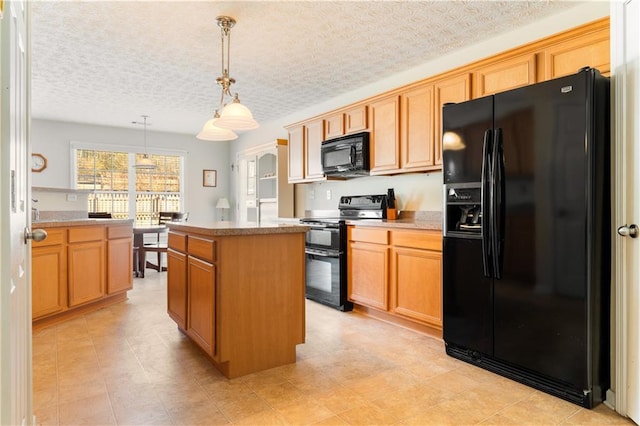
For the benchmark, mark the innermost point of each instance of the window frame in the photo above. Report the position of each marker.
(131, 151)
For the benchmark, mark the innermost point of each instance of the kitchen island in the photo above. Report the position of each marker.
(237, 290)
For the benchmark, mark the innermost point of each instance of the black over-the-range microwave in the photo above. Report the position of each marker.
(346, 156)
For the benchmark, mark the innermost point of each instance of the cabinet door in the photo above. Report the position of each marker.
(86, 272)
(119, 265)
(452, 89)
(177, 287)
(417, 285)
(355, 119)
(334, 125)
(48, 280)
(368, 274)
(201, 303)
(314, 135)
(296, 154)
(385, 135)
(510, 74)
(417, 144)
(568, 57)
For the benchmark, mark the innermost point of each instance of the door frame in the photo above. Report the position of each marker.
(625, 273)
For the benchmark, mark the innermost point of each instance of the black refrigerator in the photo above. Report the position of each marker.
(526, 246)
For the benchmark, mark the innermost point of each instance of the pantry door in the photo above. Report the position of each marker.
(625, 49)
(15, 278)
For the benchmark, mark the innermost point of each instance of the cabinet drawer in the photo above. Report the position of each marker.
(202, 248)
(123, 231)
(417, 239)
(54, 237)
(88, 233)
(368, 235)
(178, 241)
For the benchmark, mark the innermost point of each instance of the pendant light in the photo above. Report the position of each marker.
(234, 115)
(145, 162)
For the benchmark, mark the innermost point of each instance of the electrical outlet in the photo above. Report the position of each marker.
(312, 194)
(328, 194)
(72, 197)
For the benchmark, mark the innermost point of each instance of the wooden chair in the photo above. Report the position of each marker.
(159, 246)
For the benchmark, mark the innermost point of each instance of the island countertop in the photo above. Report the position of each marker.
(223, 228)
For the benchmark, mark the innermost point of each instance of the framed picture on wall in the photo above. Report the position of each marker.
(209, 178)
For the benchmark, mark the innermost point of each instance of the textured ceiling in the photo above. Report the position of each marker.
(108, 62)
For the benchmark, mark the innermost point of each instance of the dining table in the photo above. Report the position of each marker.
(139, 231)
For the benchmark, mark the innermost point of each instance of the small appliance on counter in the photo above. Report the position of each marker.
(326, 248)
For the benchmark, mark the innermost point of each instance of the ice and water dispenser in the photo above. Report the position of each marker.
(463, 210)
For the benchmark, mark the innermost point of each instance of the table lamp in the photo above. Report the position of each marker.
(222, 204)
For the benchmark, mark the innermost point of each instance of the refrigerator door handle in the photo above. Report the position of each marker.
(485, 206)
(497, 203)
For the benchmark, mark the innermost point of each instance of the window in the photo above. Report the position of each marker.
(124, 191)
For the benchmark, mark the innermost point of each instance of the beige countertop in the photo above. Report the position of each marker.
(59, 223)
(431, 221)
(235, 228)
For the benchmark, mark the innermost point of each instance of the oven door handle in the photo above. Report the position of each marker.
(322, 253)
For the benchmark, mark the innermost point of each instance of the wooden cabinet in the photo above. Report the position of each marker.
(345, 122)
(305, 161)
(314, 135)
(384, 145)
(49, 275)
(238, 296)
(201, 279)
(567, 57)
(504, 75)
(86, 269)
(80, 268)
(397, 272)
(416, 281)
(177, 287)
(296, 154)
(450, 89)
(417, 145)
(119, 259)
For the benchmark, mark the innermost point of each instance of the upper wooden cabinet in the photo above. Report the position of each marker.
(451, 89)
(568, 56)
(314, 135)
(416, 130)
(305, 162)
(296, 154)
(504, 75)
(384, 143)
(406, 123)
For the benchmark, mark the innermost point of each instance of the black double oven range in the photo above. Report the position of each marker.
(326, 248)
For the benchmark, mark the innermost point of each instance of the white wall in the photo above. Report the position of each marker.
(52, 139)
(419, 191)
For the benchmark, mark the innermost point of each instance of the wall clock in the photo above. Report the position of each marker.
(38, 162)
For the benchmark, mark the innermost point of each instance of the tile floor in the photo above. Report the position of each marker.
(129, 365)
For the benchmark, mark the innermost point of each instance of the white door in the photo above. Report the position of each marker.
(625, 49)
(15, 280)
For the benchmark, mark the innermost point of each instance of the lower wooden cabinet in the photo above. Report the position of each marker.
(201, 278)
(80, 266)
(398, 272)
(49, 275)
(177, 287)
(86, 272)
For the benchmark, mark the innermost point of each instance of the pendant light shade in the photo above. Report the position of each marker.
(145, 162)
(234, 115)
(237, 117)
(212, 132)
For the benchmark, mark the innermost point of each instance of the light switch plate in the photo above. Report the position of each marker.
(328, 194)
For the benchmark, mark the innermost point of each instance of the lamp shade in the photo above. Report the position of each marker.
(145, 163)
(223, 203)
(211, 132)
(236, 116)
